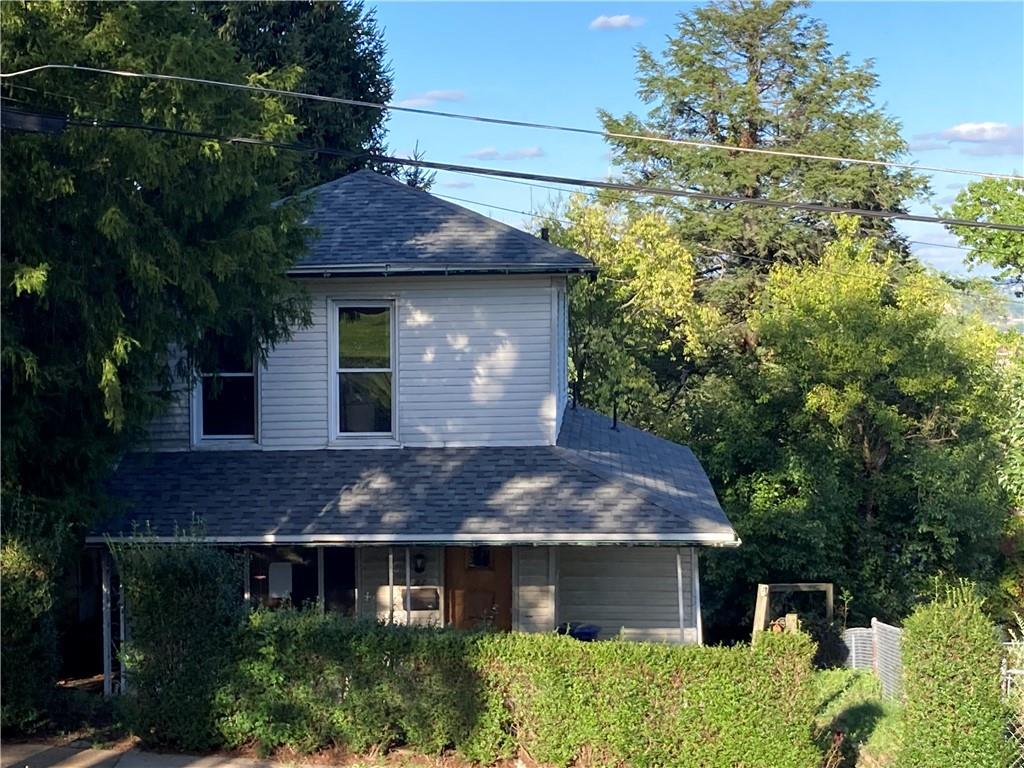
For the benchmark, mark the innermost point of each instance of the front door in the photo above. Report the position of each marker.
(478, 587)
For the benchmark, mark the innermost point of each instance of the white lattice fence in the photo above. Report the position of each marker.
(1012, 680)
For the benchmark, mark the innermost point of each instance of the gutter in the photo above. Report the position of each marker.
(728, 540)
(385, 270)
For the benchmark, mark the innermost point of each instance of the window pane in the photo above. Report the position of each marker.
(364, 337)
(364, 402)
(229, 406)
(228, 355)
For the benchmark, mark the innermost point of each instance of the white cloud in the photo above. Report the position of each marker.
(621, 21)
(456, 184)
(523, 154)
(492, 153)
(988, 138)
(430, 98)
(486, 153)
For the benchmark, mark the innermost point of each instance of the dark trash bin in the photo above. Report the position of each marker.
(584, 632)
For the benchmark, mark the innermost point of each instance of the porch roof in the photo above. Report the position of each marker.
(598, 485)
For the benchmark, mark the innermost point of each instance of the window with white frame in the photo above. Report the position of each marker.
(364, 370)
(227, 394)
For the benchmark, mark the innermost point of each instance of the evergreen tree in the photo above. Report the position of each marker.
(761, 75)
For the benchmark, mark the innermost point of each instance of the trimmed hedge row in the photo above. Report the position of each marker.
(953, 714)
(301, 680)
(307, 682)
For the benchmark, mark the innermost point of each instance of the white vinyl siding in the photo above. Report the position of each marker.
(632, 591)
(533, 594)
(170, 430)
(475, 365)
(560, 350)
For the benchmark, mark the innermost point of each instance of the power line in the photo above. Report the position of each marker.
(706, 248)
(623, 199)
(613, 185)
(514, 123)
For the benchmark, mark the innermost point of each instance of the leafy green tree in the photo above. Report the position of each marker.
(640, 310)
(326, 48)
(120, 245)
(863, 437)
(760, 75)
(993, 200)
(852, 420)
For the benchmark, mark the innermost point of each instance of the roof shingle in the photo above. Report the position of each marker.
(596, 486)
(370, 224)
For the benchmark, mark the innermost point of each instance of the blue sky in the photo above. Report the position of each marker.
(951, 73)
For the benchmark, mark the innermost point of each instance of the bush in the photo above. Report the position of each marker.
(953, 714)
(307, 682)
(202, 676)
(185, 609)
(29, 662)
(650, 705)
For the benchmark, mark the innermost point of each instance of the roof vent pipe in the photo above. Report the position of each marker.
(544, 234)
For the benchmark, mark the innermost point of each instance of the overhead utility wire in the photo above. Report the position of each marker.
(619, 186)
(709, 249)
(512, 123)
(620, 198)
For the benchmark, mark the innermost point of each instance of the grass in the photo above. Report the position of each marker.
(850, 702)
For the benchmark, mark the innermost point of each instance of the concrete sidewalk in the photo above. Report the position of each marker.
(43, 755)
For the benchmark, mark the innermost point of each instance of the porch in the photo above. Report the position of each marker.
(638, 593)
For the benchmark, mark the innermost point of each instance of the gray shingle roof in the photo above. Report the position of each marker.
(371, 224)
(597, 485)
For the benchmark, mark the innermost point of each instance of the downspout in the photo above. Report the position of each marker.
(391, 585)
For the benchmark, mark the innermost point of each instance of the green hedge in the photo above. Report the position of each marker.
(953, 714)
(307, 681)
(29, 661)
(186, 613)
(293, 678)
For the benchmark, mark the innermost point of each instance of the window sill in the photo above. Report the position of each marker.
(349, 442)
(226, 444)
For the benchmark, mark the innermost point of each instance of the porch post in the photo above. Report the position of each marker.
(123, 630)
(696, 594)
(679, 594)
(408, 587)
(321, 597)
(108, 684)
(246, 590)
(391, 585)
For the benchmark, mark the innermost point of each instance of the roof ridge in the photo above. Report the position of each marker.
(377, 177)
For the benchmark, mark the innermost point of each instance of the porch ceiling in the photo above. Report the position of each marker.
(596, 486)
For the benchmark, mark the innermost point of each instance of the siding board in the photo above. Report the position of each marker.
(631, 591)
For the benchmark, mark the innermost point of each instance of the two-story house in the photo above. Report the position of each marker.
(413, 455)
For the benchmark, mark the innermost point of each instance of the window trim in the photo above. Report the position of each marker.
(336, 437)
(226, 441)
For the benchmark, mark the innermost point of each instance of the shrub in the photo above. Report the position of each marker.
(651, 705)
(306, 682)
(184, 606)
(953, 714)
(29, 662)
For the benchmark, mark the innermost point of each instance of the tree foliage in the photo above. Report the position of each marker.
(760, 75)
(993, 200)
(119, 245)
(327, 48)
(852, 420)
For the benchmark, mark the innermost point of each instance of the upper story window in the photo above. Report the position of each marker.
(364, 370)
(226, 397)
